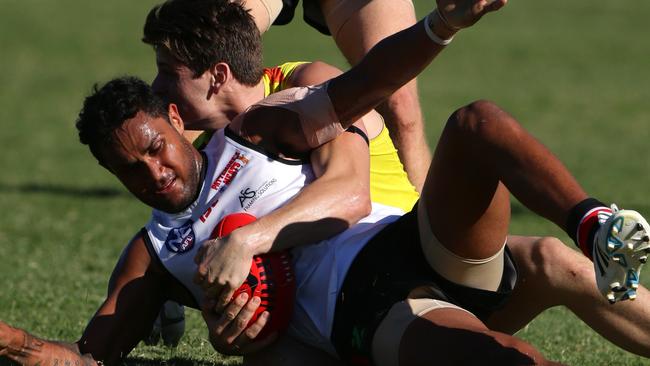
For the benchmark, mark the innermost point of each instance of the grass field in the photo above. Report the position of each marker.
(574, 72)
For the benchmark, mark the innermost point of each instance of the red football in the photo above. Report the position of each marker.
(271, 278)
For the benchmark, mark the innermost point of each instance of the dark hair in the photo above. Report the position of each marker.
(109, 106)
(201, 33)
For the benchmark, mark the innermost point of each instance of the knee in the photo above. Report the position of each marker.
(402, 111)
(556, 263)
(480, 121)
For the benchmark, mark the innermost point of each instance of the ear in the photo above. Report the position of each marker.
(175, 118)
(220, 75)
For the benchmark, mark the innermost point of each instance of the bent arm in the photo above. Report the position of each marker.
(337, 199)
(332, 203)
(135, 296)
(133, 301)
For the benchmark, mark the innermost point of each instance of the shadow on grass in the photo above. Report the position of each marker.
(61, 190)
(137, 361)
(174, 361)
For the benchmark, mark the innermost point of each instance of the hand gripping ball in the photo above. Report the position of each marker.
(271, 278)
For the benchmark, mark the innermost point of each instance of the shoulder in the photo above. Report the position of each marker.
(312, 73)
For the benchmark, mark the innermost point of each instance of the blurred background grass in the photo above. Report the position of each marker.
(575, 73)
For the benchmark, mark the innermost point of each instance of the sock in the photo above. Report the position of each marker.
(583, 222)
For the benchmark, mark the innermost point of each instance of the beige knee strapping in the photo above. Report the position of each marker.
(341, 10)
(385, 342)
(270, 8)
(483, 273)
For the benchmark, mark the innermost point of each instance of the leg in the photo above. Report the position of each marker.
(287, 351)
(264, 12)
(357, 25)
(552, 274)
(482, 151)
(417, 331)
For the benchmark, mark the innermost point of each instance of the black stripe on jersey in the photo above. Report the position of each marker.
(154, 256)
(240, 140)
(358, 131)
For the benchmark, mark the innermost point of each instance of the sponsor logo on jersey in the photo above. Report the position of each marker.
(237, 161)
(207, 212)
(248, 196)
(181, 239)
(245, 194)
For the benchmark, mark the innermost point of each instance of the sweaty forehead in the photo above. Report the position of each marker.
(134, 137)
(140, 129)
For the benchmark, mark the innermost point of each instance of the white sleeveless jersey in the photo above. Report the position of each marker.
(241, 177)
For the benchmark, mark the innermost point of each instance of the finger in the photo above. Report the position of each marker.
(201, 274)
(238, 326)
(495, 5)
(254, 330)
(208, 279)
(198, 257)
(224, 298)
(230, 313)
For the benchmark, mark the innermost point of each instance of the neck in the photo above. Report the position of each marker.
(239, 97)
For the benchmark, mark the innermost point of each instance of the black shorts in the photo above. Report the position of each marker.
(386, 270)
(312, 14)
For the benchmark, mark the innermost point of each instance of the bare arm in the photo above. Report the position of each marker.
(333, 202)
(26, 349)
(400, 58)
(309, 117)
(133, 301)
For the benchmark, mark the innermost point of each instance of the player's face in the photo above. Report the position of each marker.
(176, 83)
(152, 159)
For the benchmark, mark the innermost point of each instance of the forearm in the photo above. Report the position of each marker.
(321, 210)
(337, 199)
(26, 349)
(389, 65)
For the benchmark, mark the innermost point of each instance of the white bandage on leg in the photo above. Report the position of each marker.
(338, 12)
(318, 118)
(485, 273)
(273, 8)
(385, 342)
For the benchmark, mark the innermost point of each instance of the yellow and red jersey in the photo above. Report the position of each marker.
(389, 184)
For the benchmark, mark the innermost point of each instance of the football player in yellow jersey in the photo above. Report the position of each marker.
(212, 84)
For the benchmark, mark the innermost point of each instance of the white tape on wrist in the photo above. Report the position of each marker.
(434, 37)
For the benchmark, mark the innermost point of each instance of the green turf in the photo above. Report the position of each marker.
(574, 72)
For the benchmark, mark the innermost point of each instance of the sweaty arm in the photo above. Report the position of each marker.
(134, 299)
(337, 199)
(336, 104)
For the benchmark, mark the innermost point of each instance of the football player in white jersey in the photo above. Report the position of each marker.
(462, 217)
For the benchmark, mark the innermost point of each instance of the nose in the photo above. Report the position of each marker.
(156, 172)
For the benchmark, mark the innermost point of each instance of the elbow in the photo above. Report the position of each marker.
(358, 205)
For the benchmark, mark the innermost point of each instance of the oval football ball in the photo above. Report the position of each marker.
(271, 278)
